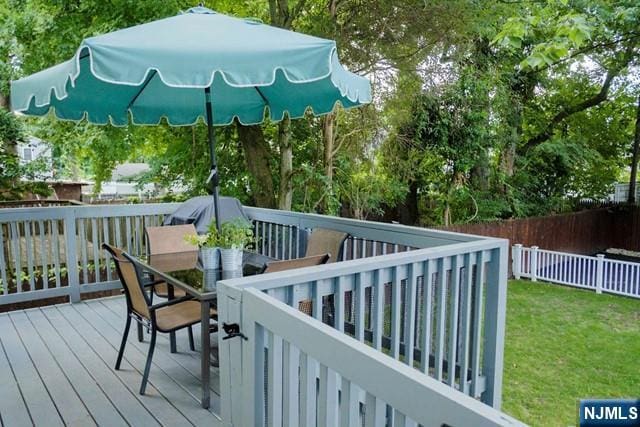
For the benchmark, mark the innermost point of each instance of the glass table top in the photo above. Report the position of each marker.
(184, 270)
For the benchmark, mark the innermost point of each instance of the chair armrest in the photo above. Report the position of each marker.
(152, 283)
(170, 302)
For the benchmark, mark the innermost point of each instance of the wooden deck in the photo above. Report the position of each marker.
(57, 369)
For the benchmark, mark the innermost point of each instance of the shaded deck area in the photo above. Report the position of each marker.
(58, 369)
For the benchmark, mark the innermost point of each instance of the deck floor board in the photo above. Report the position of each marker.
(34, 392)
(59, 370)
(13, 410)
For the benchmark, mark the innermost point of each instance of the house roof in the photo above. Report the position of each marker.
(128, 170)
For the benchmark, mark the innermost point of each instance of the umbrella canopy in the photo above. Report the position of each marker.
(159, 69)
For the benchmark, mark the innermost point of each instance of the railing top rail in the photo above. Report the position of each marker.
(580, 256)
(85, 211)
(329, 271)
(404, 234)
(422, 399)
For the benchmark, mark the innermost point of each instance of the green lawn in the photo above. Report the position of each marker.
(563, 344)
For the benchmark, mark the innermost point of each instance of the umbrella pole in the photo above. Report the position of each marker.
(213, 174)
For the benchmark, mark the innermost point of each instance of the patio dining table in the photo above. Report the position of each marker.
(184, 270)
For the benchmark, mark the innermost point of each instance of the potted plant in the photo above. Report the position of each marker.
(235, 235)
(209, 244)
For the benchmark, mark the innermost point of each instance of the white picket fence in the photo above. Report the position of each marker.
(595, 273)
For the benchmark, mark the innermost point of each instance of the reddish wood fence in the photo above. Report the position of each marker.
(585, 232)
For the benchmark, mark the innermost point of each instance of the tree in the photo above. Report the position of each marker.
(634, 158)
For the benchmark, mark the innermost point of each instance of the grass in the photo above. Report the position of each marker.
(563, 344)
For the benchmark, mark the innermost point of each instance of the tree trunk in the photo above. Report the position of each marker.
(408, 210)
(285, 195)
(256, 155)
(634, 158)
(12, 146)
(480, 172)
(328, 139)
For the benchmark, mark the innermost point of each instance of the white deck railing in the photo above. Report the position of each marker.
(301, 372)
(434, 301)
(595, 273)
(55, 251)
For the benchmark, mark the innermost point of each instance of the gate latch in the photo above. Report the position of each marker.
(232, 330)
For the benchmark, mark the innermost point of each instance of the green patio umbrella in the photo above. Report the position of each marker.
(198, 64)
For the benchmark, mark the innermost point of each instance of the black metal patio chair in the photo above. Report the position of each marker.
(168, 316)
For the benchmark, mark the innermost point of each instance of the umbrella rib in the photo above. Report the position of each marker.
(144, 85)
(261, 95)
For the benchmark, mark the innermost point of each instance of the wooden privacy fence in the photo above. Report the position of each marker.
(585, 232)
(595, 273)
(55, 251)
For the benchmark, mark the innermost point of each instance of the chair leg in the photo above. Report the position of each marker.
(140, 334)
(125, 334)
(147, 366)
(191, 344)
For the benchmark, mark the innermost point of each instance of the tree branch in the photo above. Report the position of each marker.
(626, 37)
(596, 99)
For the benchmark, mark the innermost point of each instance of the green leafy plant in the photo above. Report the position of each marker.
(210, 239)
(236, 234)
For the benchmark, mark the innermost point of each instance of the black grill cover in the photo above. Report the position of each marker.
(200, 212)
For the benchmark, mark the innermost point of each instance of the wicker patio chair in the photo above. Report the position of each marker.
(164, 317)
(167, 240)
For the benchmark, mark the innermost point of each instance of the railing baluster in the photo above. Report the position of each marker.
(290, 390)
(55, 242)
(375, 412)
(15, 240)
(349, 404)
(378, 306)
(29, 253)
(466, 321)
(128, 244)
(44, 256)
(396, 301)
(354, 247)
(340, 285)
(3, 263)
(477, 322)
(83, 250)
(307, 390)
(96, 248)
(274, 395)
(453, 319)
(425, 345)
(106, 239)
(411, 291)
(441, 319)
(118, 235)
(360, 303)
(328, 398)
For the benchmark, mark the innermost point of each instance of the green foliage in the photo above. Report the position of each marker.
(460, 87)
(368, 189)
(210, 239)
(17, 179)
(236, 233)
